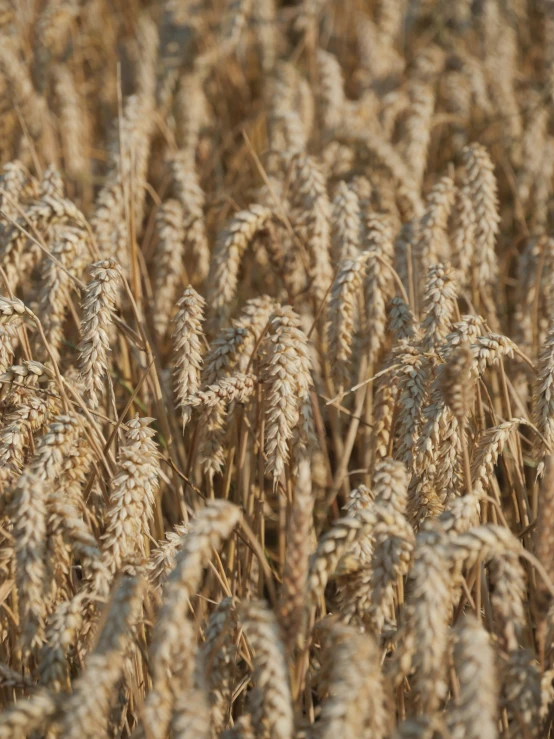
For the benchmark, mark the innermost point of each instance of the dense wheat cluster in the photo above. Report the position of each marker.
(277, 369)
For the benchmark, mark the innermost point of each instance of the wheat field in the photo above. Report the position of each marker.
(277, 369)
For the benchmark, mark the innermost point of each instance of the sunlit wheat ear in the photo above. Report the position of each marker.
(413, 382)
(466, 331)
(86, 713)
(187, 348)
(481, 185)
(402, 321)
(98, 310)
(286, 374)
(418, 127)
(438, 305)
(543, 408)
(66, 506)
(489, 446)
(187, 191)
(524, 691)
(353, 570)
(425, 636)
(168, 265)
(132, 495)
(173, 639)
(29, 510)
(270, 701)
(33, 107)
(378, 281)
(346, 223)
(332, 546)
(331, 91)
(356, 692)
(74, 123)
(191, 715)
(216, 661)
(473, 712)
(19, 255)
(457, 382)
(433, 243)
(226, 259)
(62, 628)
(343, 308)
(311, 215)
(463, 236)
(29, 520)
(162, 559)
(70, 249)
(13, 181)
(24, 717)
(299, 547)
(393, 536)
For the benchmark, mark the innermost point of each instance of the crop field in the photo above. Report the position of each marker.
(276, 369)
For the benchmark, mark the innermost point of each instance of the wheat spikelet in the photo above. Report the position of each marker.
(520, 681)
(385, 404)
(162, 559)
(401, 320)
(456, 381)
(388, 157)
(332, 546)
(187, 348)
(215, 662)
(346, 223)
(354, 566)
(132, 495)
(418, 128)
(226, 259)
(542, 412)
(465, 331)
(312, 216)
(234, 388)
(86, 712)
(29, 519)
(413, 379)
(26, 716)
(171, 234)
(440, 294)
(69, 247)
(331, 90)
(190, 195)
(33, 107)
(481, 184)
(295, 575)
(191, 716)
(18, 255)
(342, 314)
(172, 641)
(433, 244)
(14, 180)
(270, 701)
(473, 714)
(378, 281)
(489, 447)
(393, 538)
(74, 122)
(62, 628)
(287, 375)
(426, 640)
(356, 705)
(98, 310)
